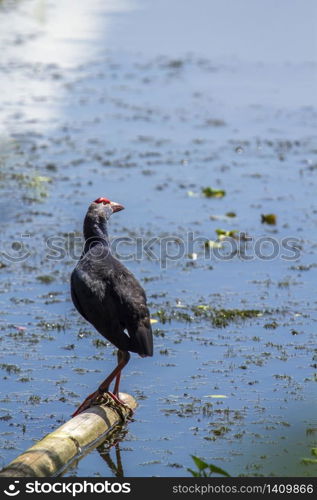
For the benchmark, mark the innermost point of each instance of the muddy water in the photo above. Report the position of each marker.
(149, 104)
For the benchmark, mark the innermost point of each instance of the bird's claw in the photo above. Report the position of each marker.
(97, 397)
(120, 403)
(118, 400)
(92, 398)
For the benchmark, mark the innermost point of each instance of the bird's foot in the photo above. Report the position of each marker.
(99, 397)
(117, 399)
(120, 402)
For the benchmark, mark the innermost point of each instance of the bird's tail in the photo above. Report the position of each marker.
(143, 341)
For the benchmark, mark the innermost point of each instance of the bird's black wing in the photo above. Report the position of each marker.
(74, 296)
(130, 298)
(91, 297)
(107, 295)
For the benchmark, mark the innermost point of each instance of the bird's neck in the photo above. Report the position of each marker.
(95, 232)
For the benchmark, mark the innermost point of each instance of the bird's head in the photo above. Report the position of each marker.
(104, 207)
(97, 216)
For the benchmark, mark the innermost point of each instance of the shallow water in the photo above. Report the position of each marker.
(147, 109)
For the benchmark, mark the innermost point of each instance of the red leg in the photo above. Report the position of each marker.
(116, 385)
(123, 359)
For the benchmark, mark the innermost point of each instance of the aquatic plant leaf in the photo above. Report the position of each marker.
(213, 193)
(309, 461)
(213, 244)
(203, 467)
(194, 473)
(39, 179)
(222, 233)
(203, 307)
(45, 278)
(268, 219)
(200, 464)
(218, 470)
(216, 396)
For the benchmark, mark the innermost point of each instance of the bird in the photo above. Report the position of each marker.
(109, 297)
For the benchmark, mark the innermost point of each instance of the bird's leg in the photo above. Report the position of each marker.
(122, 356)
(123, 359)
(116, 385)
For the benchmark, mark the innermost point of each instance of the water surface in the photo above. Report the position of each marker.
(148, 104)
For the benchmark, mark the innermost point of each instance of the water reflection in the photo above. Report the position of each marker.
(105, 449)
(109, 448)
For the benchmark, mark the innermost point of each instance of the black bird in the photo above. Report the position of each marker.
(107, 295)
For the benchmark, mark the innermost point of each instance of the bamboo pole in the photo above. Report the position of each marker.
(52, 454)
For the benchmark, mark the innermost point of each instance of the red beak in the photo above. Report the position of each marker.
(116, 207)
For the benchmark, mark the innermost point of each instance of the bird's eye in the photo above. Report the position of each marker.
(105, 201)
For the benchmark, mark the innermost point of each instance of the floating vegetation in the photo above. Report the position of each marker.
(213, 244)
(37, 184)
(34, 399)
(216, 396)
(51, 326)
(162, 316)
(220, 318)
(269, 219)
(295, 332)
(10, 368)
(5, 418)
(158, 333)
(45, 278)
(24, 300)
(84, 333)
(100, 343)
(69, 347)
(222, 233)
(310, 461)
(302, 267)
(271, 326)
(164, 352)
(209, 192)
(32, 338)
(175, 63)
(215, 122)
(220, 431)
(188, 409)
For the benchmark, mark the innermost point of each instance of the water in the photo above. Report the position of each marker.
(147, 104)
